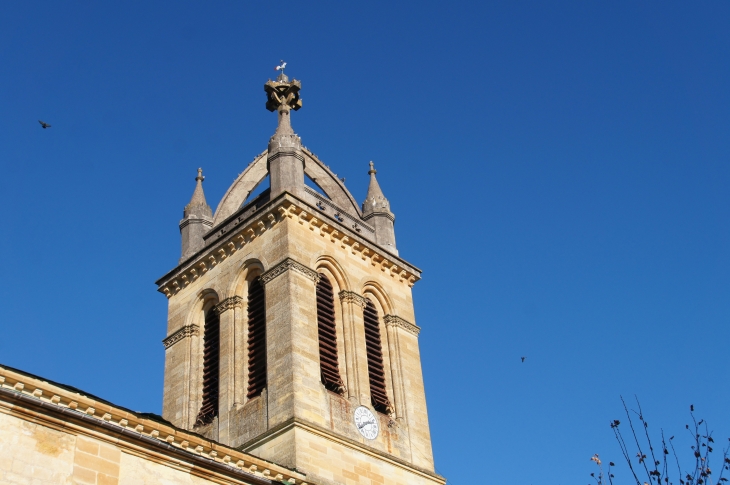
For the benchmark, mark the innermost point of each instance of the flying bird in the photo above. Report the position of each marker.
(523, 359)
(281, 66)
(44, 124)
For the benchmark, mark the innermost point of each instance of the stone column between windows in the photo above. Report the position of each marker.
(192, 386)
(292, 343)
(194, 380)
(352, 305)
(240, 380)
(226, 371)
(358, 353)
(396, 371)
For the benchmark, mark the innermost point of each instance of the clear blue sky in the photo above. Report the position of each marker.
(559, 170)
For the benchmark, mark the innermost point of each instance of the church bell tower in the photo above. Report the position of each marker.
(291, 328)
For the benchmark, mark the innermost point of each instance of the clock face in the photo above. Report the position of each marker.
(366, 422)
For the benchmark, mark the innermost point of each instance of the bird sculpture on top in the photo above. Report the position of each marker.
(281, 67)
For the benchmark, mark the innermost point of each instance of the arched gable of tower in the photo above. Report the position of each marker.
(257, 171)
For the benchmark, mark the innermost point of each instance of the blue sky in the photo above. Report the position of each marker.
(559, 170)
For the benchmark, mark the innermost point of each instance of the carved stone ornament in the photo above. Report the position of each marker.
(283, 92)
(352, 297)
(286, 265)
(399, 322)
(186, 331)
(228, 304)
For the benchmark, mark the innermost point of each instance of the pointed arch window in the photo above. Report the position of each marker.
(328, 363)
(376, 370)
(211, 352)
(256, 338)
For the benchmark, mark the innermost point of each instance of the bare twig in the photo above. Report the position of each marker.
(659, 472)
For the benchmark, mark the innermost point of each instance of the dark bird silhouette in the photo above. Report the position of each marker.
(523, 359)
(44, 124)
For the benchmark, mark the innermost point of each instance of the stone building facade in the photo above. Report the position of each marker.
(292, 350)
(52, 434)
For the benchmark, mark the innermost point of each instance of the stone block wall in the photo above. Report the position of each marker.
(52, 435)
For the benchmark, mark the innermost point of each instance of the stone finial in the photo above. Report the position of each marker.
(282, 92)
(285, 160)
(198, 205)
(197, 219)
(375, 201)
(376, 210)
(282, 96)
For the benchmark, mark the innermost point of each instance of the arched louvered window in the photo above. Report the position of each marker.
(328, 363)
(376, 371)
(211, 351)
(256, 338)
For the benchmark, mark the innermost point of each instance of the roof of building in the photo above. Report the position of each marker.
(84, 413)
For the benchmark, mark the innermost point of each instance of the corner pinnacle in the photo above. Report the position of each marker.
(198, 204)
(375, 201)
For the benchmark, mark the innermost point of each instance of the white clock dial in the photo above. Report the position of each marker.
(366, 422)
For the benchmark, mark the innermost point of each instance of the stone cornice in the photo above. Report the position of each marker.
(399, 322)
(286, 265)
(32, 398)
(184, 332)
(356, 223)
(228, 304)
(240, 229)
(352, 242)
(347, 296)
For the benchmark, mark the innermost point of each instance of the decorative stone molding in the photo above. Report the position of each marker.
(327, 206)
(347, 296)
(228, 304)
(283, 153)
(186, 331)
(286, 265)
(399, 322)
(153, 440)
(226, 239)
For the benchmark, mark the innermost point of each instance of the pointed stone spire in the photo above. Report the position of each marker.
(375, 201)
(197, 204)
(285, 160)
(376, 210)
(197, 220)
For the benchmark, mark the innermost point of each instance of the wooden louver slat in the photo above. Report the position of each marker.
(376, 372)
(256, 338)
(211, 351)
(328, 363)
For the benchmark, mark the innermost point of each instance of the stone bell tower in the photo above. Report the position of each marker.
(291, 328)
